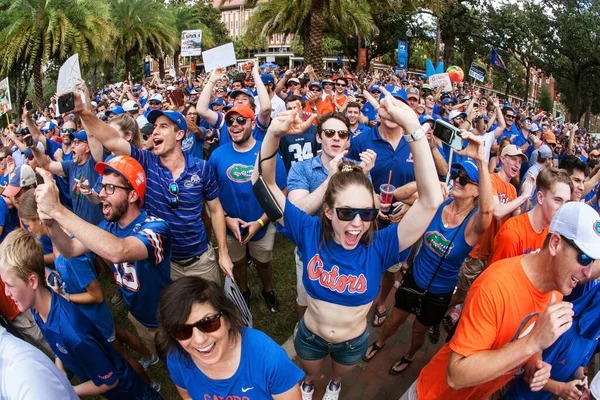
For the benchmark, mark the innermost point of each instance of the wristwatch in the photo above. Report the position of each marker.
(416, 135)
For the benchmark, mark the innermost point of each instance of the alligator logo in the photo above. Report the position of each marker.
(437, 243)
(597, 227)
(240, 173)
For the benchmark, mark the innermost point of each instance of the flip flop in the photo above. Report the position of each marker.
(374, 349)
(382, 317)
(396, 371)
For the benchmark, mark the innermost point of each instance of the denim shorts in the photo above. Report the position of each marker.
(311, 347)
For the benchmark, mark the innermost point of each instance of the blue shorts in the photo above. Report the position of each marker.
(311, 347)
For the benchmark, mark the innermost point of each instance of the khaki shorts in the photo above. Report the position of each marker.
(146, 334)
(205, 266)
(261, 250)
(302, 297)
(469, 270)
(411, 393)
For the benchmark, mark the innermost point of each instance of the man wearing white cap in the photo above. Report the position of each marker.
(133, 109)
(513, 312)
(154, 103)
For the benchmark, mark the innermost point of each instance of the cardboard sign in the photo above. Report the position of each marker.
(191, 43)
(69, 75)
(222, 56)
(477, 72)
(5, 103)
(233, 292)
(442, 80)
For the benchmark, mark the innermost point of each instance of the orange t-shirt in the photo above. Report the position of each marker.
(506, 193)
(8, 308)
(517, 237)
(323, 107)
(341, 100)
(498, 310)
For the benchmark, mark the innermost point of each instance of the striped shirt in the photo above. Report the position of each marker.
(197, 181)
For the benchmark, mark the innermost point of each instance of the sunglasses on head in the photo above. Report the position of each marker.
(330, 133)
(240, 120)
(462, 178)
(582, 258)
(348, 214)
(174, 190)
(205, 325)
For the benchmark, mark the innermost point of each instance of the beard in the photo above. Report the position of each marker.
(116, 211)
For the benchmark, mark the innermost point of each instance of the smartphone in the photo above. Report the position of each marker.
(448, 134)
(66, 103)
(28, 141)
(243, 232)
(55, 279)
(29, 105)
(397, 208)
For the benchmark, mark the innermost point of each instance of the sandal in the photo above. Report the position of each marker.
(397, 371)
(382, 316)
(373, 349)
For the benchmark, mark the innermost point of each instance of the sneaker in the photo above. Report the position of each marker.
(271, 301)
(148, 363)
(117, 298)
(447, 323)
(307, 391)
(434, 334)
(332, 394)
(156, 386)
(247, 295)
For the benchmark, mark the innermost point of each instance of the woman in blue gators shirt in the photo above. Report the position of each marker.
(210, 355)
(344, 256)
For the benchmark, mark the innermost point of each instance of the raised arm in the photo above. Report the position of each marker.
(36, 134)
(264, 116)
(202, 107)
(45, 162)
(512, 207)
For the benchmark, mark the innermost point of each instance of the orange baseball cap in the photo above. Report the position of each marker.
(550, 137)
(244, 111)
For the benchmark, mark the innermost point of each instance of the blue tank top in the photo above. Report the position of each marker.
(435, 241)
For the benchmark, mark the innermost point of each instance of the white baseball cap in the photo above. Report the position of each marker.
(456, 113)
(130, 105)
(158, 97)
(581, 224)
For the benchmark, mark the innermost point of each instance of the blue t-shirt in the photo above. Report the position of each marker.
(9, 219)
(191, 144)
(265, 370)
(296, 148)
(436, 240)
(81, 347)
(234, 173)
(142, 281)
(197, 182)
(92, 213)
(369, 111)
(64, 194)
(360, 129)
(334, 274)
(78, 273)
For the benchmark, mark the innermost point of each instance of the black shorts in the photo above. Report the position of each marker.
(433, 307)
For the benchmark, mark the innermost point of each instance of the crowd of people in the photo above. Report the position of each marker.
(172, 184)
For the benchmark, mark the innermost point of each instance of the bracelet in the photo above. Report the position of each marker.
(260, 221)
(68, 297)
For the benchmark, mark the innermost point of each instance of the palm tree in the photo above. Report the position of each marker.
(35, 32)
(188, 18)
(143, 27)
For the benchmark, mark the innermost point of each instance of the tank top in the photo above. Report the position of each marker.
(435, 241)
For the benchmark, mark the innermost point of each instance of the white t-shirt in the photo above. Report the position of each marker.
(277, 105)
(488, 141)
(28, 374)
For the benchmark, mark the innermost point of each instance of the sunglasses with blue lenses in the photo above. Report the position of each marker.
(348, 214)
(174, 190)
(582, 258)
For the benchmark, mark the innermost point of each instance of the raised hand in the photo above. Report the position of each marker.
(474, 148)
(553, 322)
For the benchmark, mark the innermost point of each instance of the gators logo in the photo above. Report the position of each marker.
(437, 243)
(597, 227)
(240, 173)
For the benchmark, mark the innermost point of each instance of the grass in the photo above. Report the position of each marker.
(278, 326)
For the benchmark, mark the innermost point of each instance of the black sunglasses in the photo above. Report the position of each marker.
(145, 136)
(330, 133)
(315, 89)
(376, 92)
(174, 190)
(240, 120)
(340, 84)
(509, 116)
(348, 214)
(463, 179)
(582, 258)
(68, 130)
(205, 325)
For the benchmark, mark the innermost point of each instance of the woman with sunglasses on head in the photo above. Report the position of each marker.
(210, 354)
(427, 288)
(344, 256)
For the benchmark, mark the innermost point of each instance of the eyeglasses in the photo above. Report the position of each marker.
(582, 258)
(68, 130)
(360, 101)
(205, 325)
(348, 214)
(330, 133)
(240, 120)
(154, 103)
(77, 142)
(509, 116)
(315, 89)
(109, 188)
(463, 179)
(145, 136)
(292, 84)
(376, 92)
(174, 190)
(340, 84)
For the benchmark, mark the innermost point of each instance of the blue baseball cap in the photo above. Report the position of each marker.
(448, 101)
(81, 135)
(192, 91)
(375, 87)
(48, 126)
(174, 116)
(317, 84)
(137, 87)
(115, 110)
(267, 79)
(397, 92)
(218, 102)
(424, 118)
(470, 168)
(245, 91)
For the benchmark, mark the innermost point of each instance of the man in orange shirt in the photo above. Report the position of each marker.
(525, 233)
(512, 313)
(315, 104)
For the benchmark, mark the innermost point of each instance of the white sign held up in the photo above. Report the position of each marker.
(5, 103)
(222, 56)
(442, 80)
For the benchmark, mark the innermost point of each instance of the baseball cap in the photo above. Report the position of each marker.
(170, 87)
(115, 110)
(81, 135)
(41, 119)
(130, 105)
(512, 150)
(549, 137)
(397, 92)
(218, 102)
(296, 80)
(48, 126)
(328, 81)
(448, 101)
(174, 116)
(192, 91)
(426, 86)
(424, 118)
(534, 127)
(470, 168)
(267, 79)
(156, 97)
(235, 93)
(456, 113)
(244, 111)
(28, 153)
(137, 87)
(581, 224)
(24, 176)
(375, 87)
(317, 84)
(545, 152)
(412, 92)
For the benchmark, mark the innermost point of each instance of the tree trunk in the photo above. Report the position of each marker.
(161, 68)
(438, 40)
(449, 40)
(576, 111)
(176, 63)
(38, 82)
(527, 77)
(314, 48)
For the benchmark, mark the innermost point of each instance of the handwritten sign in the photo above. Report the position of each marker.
(191, 43)
(222, 56)
(69, 75)
(440, 80)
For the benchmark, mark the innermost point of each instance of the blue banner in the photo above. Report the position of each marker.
(402, 54)
(147, 69)
(339, 61)
(497, 62)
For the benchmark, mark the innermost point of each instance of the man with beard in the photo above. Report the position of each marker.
(137, 246)
(247, 224)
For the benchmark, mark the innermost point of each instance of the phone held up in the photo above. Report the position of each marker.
(448, 134)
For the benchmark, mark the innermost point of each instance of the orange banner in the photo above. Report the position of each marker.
(362, 59)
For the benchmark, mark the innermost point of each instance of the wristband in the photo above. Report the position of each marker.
(416, 135)
(260, 221)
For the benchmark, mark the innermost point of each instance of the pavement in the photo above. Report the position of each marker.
(371, 380)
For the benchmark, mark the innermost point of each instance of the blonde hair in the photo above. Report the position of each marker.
(22, 253)
(28, 206)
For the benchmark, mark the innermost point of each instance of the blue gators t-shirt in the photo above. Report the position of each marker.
(234, 173)
(81, 347)
(296, 148)
(334, 274)
(197, 182)
(142, 281)
(265, 370)
(78, 273)
(191, 144)
(92, 213)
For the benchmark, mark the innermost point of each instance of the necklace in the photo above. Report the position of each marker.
(446, 224)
